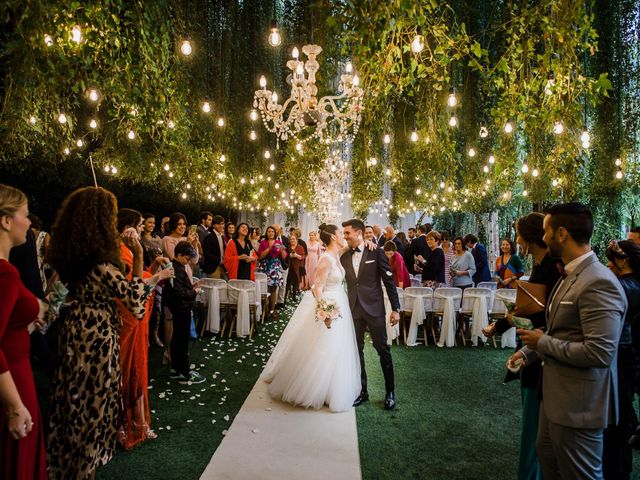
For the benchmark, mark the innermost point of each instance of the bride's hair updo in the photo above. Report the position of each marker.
(326, 231)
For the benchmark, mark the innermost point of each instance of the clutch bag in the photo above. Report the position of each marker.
(530, 298)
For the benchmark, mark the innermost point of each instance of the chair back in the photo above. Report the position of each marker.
(469, 297)
(501, 296)
(261, 280)
(412, 293)
(234, 287)
(218, 284)
(441, 294)
(416, 282)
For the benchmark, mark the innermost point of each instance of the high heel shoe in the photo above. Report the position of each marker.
(145, 430)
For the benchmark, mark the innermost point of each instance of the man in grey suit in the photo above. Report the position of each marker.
(579, 378)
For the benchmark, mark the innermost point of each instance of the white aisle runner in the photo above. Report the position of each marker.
(273, 440)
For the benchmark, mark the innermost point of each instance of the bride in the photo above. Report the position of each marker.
(316, 363)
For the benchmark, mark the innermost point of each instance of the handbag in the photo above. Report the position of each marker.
(530, 298)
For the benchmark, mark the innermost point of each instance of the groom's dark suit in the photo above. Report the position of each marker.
(367, 304)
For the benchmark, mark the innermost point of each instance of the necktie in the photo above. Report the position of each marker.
(562, 271)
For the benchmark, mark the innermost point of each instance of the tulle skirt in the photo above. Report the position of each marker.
(313, 365)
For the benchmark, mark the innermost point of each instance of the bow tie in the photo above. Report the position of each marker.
(562, 271)
(356, 249)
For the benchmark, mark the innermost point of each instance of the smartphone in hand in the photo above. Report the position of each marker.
(193, 229)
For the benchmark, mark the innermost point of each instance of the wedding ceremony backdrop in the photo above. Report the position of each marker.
(466, 112)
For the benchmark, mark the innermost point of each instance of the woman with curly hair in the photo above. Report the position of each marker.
(85, 251)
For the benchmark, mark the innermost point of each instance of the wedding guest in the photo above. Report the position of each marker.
(22, 452)
(529, 231)
(134, 422)
(164, 227)
(480, 258)
(229, 231)
(152, 246)
(177, 230)
(408, 255)
(285, 265)
(204, 227)
(579, 377)
(396, 265)
(624, 262)
(180, 297)
(463, 266)
(303, 267)
(42, 245)
(271, 254)
(369, 236)
(447, 249)
(390, 235)
(84, 404)
(411, 234)
(420, 247)
(254, 238)
(296, 262)
(239, 256)
(213, 250)
(509, 266)
(433, 264)
(378, 235)
(311, 263)
(634, 235)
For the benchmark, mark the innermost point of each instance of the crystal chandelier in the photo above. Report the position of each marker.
(328, 187)
(302, 114)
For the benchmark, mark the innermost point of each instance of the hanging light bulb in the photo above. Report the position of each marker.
(452, 100)
(418, 41)
(356, 80)
(387, 138)
(441, 184)
(114, 170)
(508, 127)
(554, 182)
(131, 135)
(299, 147)
(349, 68)
(170, 174)
(167, 167)
(252, 135)
(76, 34)
(525, 193)
(32, 120)
(472, 152)
(485, 169)
(619, 174)
(220, 122)
(618, 162)
(67, 151)
(107, 168)
(267, 154)
(525, 168)
(535, 172)
(295, 53)
(93, 95)
(492, 159)
(79, 143)
(184, 195)
(414, 136)
(263, 82)
(93, 124)
(62, 118)
(48, 41)
(253, 115)
(171, 124)
(585, 137)
(558, 128)
(206, 107)
(223, 158)
(186, 48)
(453, 121)
(548, 87)
(275, 38)
(484, 133)
(272, 167)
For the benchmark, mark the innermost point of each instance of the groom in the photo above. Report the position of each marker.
(364, 270)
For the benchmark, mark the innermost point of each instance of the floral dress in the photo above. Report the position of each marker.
(84, 403)
(271, 264)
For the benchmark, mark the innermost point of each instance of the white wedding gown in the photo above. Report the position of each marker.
(313, 365)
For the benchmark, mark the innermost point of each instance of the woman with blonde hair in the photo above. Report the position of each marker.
(85, 251)
(22, 454)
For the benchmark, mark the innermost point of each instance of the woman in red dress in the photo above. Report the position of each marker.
(22, 454)
(397, 266)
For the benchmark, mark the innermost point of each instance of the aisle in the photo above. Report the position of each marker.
(270, 439)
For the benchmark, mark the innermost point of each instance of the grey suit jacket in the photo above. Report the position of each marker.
(579, 350)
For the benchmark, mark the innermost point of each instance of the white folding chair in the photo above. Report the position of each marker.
(216, 299)
(476, 304)
(446, 304)
(243, 295)
(501, 297)
(261, 280)
(416, 282)
(418, 303)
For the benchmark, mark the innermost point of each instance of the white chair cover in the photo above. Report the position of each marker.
(416, 282)
(479, 312)
(501, 296)
(392, 331)
(451, 298)
(241, 291)
(216, 292)
(420, 299)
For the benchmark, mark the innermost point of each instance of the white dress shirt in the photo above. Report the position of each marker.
(356, 258)
(220, 241)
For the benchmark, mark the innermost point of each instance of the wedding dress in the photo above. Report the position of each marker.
(313, 365)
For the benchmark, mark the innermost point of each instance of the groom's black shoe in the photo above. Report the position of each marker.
(390, 401)
(363, 397)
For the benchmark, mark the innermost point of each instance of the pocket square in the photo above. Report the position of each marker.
(369, 261)
(564, 302)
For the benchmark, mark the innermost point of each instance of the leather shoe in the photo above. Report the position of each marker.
(363, 397)
(390, 401)
(634, 441)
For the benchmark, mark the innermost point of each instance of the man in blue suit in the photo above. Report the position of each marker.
(479, 253)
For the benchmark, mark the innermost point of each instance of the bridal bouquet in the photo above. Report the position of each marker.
(327, 310)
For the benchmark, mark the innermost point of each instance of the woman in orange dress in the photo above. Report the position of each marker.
(239, 256)
(134, 419)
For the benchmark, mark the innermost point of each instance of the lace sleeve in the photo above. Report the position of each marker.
(322, 273)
